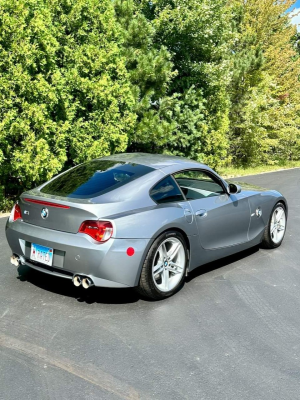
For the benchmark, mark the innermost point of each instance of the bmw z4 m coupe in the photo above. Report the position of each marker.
(140, 220)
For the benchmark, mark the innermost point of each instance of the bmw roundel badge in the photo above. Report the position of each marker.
(44, 213)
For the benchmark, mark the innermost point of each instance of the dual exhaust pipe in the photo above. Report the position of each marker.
(16, 260)
(78, 280)
(85, 281)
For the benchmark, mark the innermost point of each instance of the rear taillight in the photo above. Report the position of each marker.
(98, 230)
(16, 212)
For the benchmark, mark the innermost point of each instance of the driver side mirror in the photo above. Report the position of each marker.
(233, 188)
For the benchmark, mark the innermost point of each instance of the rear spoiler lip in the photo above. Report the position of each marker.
(45, 203)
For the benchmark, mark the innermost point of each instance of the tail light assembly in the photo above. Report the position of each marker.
(101, 231)
(16, 212)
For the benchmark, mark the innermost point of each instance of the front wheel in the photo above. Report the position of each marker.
(164, 268)
(275, 230)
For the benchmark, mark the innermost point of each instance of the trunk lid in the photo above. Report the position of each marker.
(60, 215)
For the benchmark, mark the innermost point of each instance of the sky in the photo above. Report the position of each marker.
(296, 19)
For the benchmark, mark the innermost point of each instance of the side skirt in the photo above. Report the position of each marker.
(207, 256)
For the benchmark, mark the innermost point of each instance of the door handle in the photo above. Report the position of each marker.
(201, 213)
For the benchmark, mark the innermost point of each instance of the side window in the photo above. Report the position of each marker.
(166, 191)
(196, 184)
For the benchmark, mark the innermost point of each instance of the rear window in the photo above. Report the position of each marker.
(94, 178)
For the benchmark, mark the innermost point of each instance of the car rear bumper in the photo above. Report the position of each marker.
(107, 264)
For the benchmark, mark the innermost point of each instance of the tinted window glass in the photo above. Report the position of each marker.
(198, 184)
(166, 191)
(94, 178)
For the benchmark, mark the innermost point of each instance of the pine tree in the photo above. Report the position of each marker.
(198, 35)
(265, 86)
(150, 72)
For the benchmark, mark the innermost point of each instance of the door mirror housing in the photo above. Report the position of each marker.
(233, 188)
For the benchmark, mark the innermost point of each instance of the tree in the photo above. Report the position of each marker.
(65, 95)
(296, 42)
(150, 73)
(197, 34)
(265, 87)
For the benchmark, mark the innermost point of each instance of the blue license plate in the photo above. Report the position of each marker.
(41, 254)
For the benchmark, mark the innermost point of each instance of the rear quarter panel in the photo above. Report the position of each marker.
(149, 222)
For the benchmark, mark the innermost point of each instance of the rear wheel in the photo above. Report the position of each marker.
(275, 230)
(164, 267)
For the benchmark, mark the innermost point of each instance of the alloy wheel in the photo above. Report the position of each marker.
(278, 225)
(168, 264)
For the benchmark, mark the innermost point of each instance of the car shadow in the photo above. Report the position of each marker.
(223, 262)
(65, 287)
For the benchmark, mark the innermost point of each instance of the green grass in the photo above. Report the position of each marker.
(231, 172)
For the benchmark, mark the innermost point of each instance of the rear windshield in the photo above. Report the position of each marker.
(94, 178)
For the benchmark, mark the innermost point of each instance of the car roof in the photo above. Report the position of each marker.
(155, 161)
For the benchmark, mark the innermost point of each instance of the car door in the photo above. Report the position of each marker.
(222, 219)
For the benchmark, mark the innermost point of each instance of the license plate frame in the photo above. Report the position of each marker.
(41, 254)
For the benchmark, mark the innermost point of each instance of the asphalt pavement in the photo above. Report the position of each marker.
(232, 332)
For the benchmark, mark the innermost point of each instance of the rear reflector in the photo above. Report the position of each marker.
(16, 212)
(98, 230)
(130, 251)
(46, 203)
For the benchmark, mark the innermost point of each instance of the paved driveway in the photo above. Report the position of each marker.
(233, 332)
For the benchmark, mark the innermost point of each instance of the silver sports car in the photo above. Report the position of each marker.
(140, 220)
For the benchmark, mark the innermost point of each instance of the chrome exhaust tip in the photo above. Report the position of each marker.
(77, 280)
(15, 260)
(87, 283)
(22, 260)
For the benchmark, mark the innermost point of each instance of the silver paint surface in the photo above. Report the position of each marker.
(228, 225)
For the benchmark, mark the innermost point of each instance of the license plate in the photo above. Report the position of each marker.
(41, 254)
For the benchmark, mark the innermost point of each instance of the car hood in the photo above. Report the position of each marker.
(249, 186)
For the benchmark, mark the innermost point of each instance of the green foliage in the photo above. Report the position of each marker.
(216, 81)
(177, 56)
(198, 34)
(150, 73)
(65, 95)
(296, 42)
(265, 88)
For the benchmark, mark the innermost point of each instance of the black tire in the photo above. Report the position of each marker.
(267, 241)
(147, 287)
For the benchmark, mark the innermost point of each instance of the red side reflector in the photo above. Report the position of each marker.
(46, 203)
(130, 251)
(16, 213)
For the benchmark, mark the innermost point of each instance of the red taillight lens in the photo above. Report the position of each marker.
(98, 230)
(16, 212)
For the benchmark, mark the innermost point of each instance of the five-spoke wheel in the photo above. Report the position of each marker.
(164, 268)
(277, 226)
(275, 230)
(168, 264)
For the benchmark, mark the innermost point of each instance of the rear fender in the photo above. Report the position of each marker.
(148, 223)
(193, 243)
